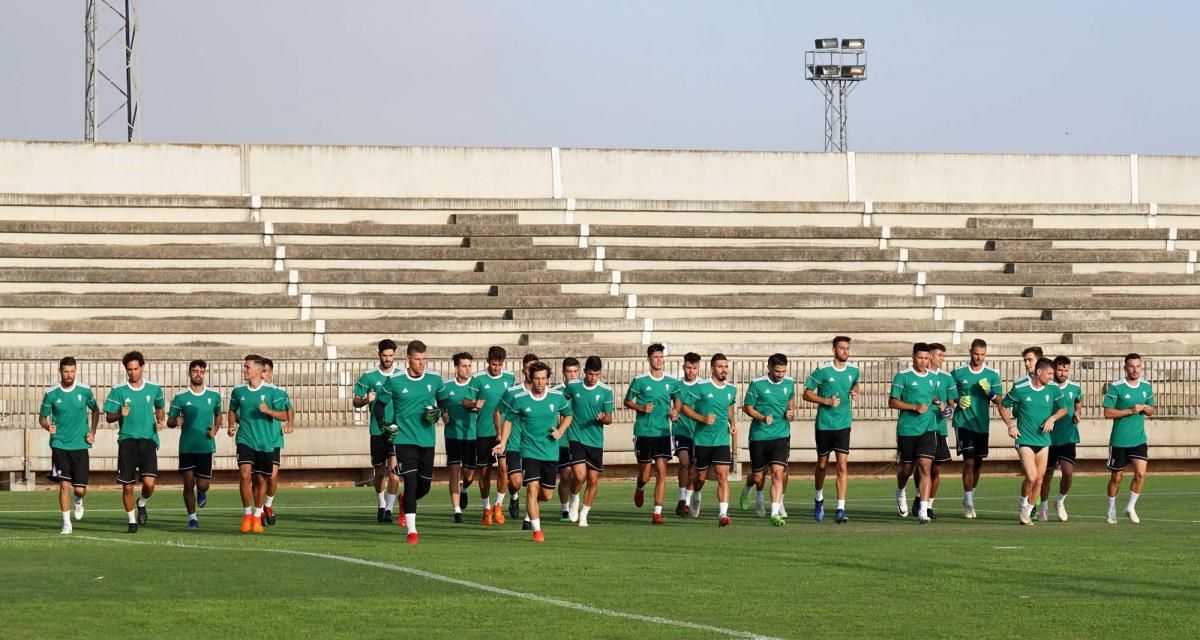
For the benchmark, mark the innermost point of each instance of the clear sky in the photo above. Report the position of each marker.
(1047, 76)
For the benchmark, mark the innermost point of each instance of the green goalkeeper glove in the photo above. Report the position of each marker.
(431, 415)
(389, 432)
(965, 402)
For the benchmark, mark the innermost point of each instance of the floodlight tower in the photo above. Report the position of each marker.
(111, 68)
(835, 71)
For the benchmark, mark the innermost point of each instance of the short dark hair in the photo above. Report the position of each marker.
(387, 343)
(1043, 363)
(268, 363)
(655, 348)
(918, 347)
(459, 357)
(538, 366)
(1037, 351)
(197, 363)
(529, 357)
(1061, 360)
(937, 346)
(838, 339)
(570, 361)
(692, 357)
(593, 363)
(716, 358)
(497, 353)
(777, 359)
(414, 347)
(979, 343)
(256, 359)
(67, 361)
(133, 356)
(1132, 356)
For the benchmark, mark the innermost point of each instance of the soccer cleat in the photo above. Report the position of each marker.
(514, 508)
(929, 512)
(923, 520)
(412, 538)
(565, 516)
(387, 517)
(694, 506)
(526, 525)
(379, 515)
(657, 519)
(487, 517)
(142, 516)
(1044, 512)
(78, 510)
(193, 524)
(744, 499)
(538, 536)
(723, 521)
(133, 527)
(464, 497)
(268, 516)
(902, 505)
(1024, 518)
(916, 508)
(498, 514)
(1033, 513)
(968, 510)
(583, 520)
(66, 529)
(760, 510)
(1133, 516)
(782, 511)
(256, 524)
(777, 521)
(401, 520)
(639, 497)
(201, 499)
(1062, 511)
(247, 523)
(680, 508)
(458, 518)
(687, 510)
(819, 510)
(841, 516)
(1112, 516)
(573, 512)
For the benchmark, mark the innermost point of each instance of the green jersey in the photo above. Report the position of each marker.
(1065, 430)
(490, 390)
(372, 380)
(462, 419)
(1129, 431)
(915, 388)
(829, 381)
(405, 400)
(586, 404)
(284, 403)
(538, 417)
(709, 399)
(1033, 406)
(646, 389)
(68, 412)
(141, 422)
(684, 427)
(513, 445)
(770, 399)
(978, 416)
(565, 442)
(199, 411)
(255, 428)
(947, 392)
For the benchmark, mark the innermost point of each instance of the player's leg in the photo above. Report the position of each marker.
(189, 494)
(246, 486)
(64, 504)
(1066, 467)
(924, 469)
(1135, 487)
(906, 454)
(701, 462)
(454, 472)
(645, 459)
(272, 487)
(1117, 462)
(565, 477)
(722, 470)
(660, 480)
(683, 451)
(778, 473)
(842, 484)
(148, 471)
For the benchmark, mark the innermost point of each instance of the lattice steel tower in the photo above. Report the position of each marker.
(836, 71)
(111, 83)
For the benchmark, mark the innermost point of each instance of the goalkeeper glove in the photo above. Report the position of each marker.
(965, 402)
(431, 415)
(390, 432)
(987, 388)
(947, 411)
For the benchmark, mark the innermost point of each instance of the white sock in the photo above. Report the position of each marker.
(658, 509)
(1062, 497)
(931, 502)
(66, 518)
(132, 517)
(686, 493)
(77, 499)
(781, 498)
(516, 495)
(258, 512)
(924, 510)
(820, 495)
(462, 488)
(389, 502)
(774, 509)
(583, 511)
(1112, 503)
(457, 509)
(683, 493)
(192, 516)
(528, 520)
(382, 499)
(249, 511)
(758, 497)
(969, 497)
(1024, 502)
(902, 495)
(411, 520)
(841, 504)
(141, 502)
(487, 503)
(537, 524)
(575, 498)
(1132, 501)
(697, 496)
(722, 509)
(268, 501)
(566, 506)
(500, 498)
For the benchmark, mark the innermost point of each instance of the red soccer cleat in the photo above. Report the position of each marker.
(658, 519)
(538, 536)
(412, 538)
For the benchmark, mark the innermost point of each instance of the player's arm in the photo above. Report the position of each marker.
(791, 408)
(174, 416)
(606, 417)
(749, 410)
(121, 411)
(290, 424)
(733, 423)
(810, 395)
(218, 418)
(694, 415)
(564, 423)
(233, 422)
(631, 404)
(94, 421)
(504, 430)
(44, 418)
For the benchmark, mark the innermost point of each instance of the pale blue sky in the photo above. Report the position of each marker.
(1022, 76)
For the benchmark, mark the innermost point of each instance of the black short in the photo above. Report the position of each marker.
(462, 452)
(564, 456)
(682, 443)
(381, 450)
(912, 447)
(261, 462)
(708, 456)
(411, 458)
(483, 451)
(276, 456)
(593, 457)
(544, 472)
(514, 462)
(200, 464)
(830, 440)
(137, 458)
(647, 448)
(971, 444)
(1061, 453)
(942, 453)
(769, 452)
(1119, 457)
(69, 465)
(1033, 448)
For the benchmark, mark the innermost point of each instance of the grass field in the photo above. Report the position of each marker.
(327, 567)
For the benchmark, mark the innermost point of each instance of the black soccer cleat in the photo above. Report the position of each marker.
(133, 527)
(679, 508)
(929, 512)
(458, 518)
(387, 516)
(463, 498)
(526, 525)
(142, 516)
(268, 516)
(379, 516)
(514, 508)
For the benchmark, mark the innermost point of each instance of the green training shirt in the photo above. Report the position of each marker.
(710, 399)
(586, 404)
(199, 411)
(947, 392)
(770, 399)
(68, 411)
(255, 429)
(1065, 430)
(684, 427)
(462, 420)
(372, 380)
(140, 423)
(538, 417)
(1129, 431)
(405, 401)
(915, 388)
(565, 442)
(284, 402)
(513, 445)
(828, 381)
(1033, 407)
(646, 389)
(978, 416)
(491, 391)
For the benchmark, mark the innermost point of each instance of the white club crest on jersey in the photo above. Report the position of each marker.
(552, 407)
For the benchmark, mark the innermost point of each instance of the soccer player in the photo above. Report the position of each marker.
(408, 407)
(770, 401)
(382, 460)
(649, 395)
(1040, 405)
(1062, 441)
(253, 409)
(544, 415)
(978, 385)
(196, 412)
(712, 407)
(512, 452)
(948, 395)
(139, 408)
(833, 387)
(1030, 357)
(570, 371)
(64, 413)
(1127, 402)
(683, 430)
(281, 427)
(488, 387)
(458, 406)
(592, 407)
(914, 394)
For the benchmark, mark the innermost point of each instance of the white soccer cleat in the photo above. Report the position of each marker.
(1044, 512)
(1132, 515)
(78, 510)
(573, 511)
(583, 521)
(1062, 511)
(760, 510)
(1112, 516)
(1023, 517)
(694, 505)
(782, 511)
(902, 505)
(66, 530)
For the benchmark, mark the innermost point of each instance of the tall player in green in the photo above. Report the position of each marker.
(281, 427)
(592, 405)
(253, 409)
(833, 387)
(457, 401)
(1039, 405)
(196, 412)
(139, 408)
(570, 373)
(369, 384)
(649, 396)
(914, 394)
(489, 386)
(978, 387)
(947, 392)
(712, 407)
(770, 401)
(64, 413)
(1062, 441)
(683, 430)
(544, 415)
(1128, 402)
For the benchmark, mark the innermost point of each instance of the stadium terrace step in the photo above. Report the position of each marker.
(1069, 314)
(135, 276)
(403, 252)
(487, 226)
(1089, 339)
(988, 223)
(700, 275)
(1053, 256)
(1017, 245)
(1023, 269)
(182, 251)
(489, 243)
(427, 276)
(444, 301)
(133, 227)
(566, 339)
(1057, 292)
(521, 290)
(1049, 278)
(495, 266)
(139, 326)
(182, 302)
(506, 219)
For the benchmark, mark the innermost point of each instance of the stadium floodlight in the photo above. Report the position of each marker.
(835, 71)
(826, 43)
(854, 43)
(828, 71)
(112, 85)
(853, 71)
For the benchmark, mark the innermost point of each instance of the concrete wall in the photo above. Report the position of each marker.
(1169, 179)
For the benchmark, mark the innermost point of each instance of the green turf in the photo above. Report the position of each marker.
(877, 576)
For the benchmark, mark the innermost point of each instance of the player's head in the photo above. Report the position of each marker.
(66, 372)
(252, 367)
(978, 352)
(268, 368)
(718, 367)
(528, 361)
(196, 370)
(387, 353)
(920, 357)
(570, 369)
(841, 348)
(937, 353)
(416, 358)
(654, 355)
(1043, 370)
(777, 366)
(1133, 366)
(1031, 355)
(591, 370)
(1062, 369)
(462, 366)
(539, 377)
(691, 365)
(495, 360)
(134, 363)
